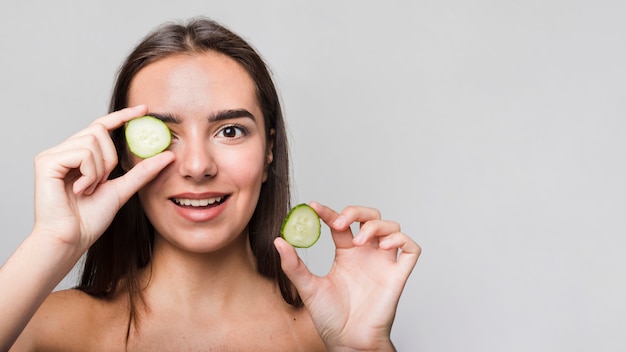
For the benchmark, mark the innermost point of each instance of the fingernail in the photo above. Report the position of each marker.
(384, 243)
(278, 249)
(359, 238)
(340, 221)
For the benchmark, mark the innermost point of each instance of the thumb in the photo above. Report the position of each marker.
(142, 173)
(295, 269)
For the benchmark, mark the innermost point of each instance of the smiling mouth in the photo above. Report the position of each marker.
(199, 203)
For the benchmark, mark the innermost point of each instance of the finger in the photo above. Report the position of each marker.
(409, 250)
(373, 229)
(325, 213)
(142, 173)
(343, 237)
(97, 137)
(107, 149)
(114, 120)
(352, 214)
(109, 122)
(70, 153)
(120, 117)
(297, 272)
(95, 156)
(81, 160)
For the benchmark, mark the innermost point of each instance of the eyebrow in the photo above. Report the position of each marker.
(214, 117)
(167, 118)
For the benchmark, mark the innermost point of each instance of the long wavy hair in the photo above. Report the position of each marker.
(115, 260)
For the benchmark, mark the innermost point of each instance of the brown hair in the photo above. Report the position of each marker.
(126, 246)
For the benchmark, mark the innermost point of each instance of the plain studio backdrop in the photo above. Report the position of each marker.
(492, 131)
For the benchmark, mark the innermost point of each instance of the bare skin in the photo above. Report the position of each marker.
(202, 289)
(254, 318)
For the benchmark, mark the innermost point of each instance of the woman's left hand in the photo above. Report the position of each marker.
(353, 307)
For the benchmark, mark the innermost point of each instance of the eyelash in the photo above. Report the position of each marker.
(242, 129)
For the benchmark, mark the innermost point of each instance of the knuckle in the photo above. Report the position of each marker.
(355, 212)
(85, 153)
(40, 157)
(98, 128)
(111, 163)
(351, 211)
(98, 121)
(89, 139)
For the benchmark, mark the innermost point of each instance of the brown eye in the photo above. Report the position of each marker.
(230, 132)
(233, 131)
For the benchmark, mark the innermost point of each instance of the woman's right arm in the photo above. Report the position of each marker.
(74, 204)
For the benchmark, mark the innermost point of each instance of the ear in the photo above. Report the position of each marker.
(269, 157)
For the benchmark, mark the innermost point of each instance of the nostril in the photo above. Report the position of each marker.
(197, 165)
(200, 177)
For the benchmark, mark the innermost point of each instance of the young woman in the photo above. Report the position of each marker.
(182, 249)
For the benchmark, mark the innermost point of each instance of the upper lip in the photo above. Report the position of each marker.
(198, 198)
(205, 195)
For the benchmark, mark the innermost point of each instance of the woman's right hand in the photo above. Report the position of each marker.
(74, 204)
(74, 200)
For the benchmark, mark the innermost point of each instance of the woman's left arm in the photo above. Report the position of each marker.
(353, 307)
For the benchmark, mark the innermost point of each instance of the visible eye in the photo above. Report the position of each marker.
(233, 131)
(174, 137)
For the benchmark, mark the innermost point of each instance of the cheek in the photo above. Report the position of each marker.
(151, 188)
(245, 168)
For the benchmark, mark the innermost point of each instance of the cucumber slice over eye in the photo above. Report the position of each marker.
(147, 136)
(301, 227)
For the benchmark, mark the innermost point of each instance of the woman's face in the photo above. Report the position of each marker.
(205, 198)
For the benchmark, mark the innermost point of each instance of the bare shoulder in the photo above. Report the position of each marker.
(68, 319)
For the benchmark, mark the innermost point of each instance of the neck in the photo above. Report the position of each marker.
(213, 279)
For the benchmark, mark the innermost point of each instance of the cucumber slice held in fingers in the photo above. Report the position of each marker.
(301, 228)
(147, 136)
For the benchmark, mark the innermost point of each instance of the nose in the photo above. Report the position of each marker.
(195, 160)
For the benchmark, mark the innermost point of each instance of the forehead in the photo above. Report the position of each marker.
(198, 83)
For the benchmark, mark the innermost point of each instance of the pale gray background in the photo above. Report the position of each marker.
(493, 131)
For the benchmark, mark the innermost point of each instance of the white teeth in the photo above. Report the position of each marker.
(197, 202)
